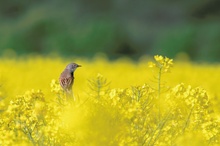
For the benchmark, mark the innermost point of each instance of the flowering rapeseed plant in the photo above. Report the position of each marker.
(30, 119)
(163, 64)
(109, 110)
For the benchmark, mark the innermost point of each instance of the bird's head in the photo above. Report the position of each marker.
(72, 66)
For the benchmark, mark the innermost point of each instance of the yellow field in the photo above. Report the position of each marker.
(116, 102)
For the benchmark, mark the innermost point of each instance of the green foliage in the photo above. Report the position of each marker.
(74, 28)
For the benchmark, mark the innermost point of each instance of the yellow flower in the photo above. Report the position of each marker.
(163, 63)
(158, 58)
(151, 64)
(55, 87)
(112, 94)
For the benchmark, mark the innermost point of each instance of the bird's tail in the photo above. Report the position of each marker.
(69, 95)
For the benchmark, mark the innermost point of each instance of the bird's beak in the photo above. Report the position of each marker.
(79, 65)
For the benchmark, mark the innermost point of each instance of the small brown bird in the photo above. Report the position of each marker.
(67, 78)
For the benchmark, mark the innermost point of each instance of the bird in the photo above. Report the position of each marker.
(67, 78)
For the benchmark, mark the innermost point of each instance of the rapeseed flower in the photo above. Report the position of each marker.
(110, 109)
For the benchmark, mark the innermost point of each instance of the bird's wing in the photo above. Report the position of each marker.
(66, 82)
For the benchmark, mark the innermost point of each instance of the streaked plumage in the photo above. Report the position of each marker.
(67, 77)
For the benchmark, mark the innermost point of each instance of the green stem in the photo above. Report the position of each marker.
(159, 81)
(28, 133)
(99, 87)
(187, 120)
(159, 88)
